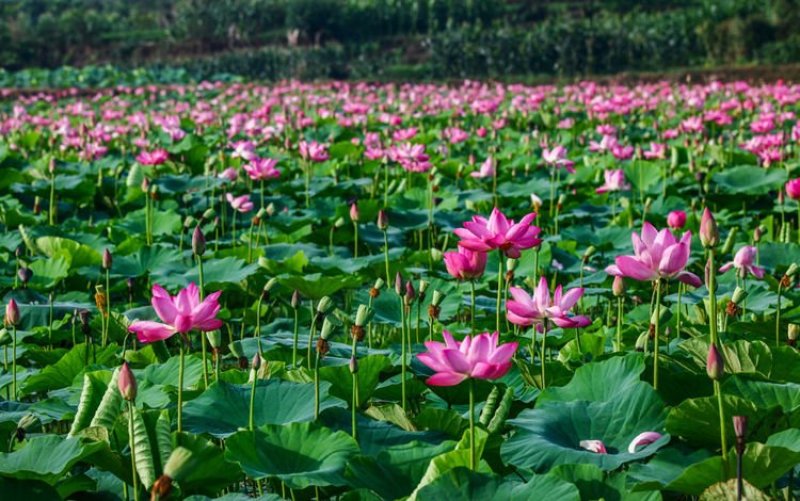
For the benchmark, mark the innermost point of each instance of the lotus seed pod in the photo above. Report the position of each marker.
(738, 295)
(327, 329)
(438, 297)
(324, 305)
(362, 315)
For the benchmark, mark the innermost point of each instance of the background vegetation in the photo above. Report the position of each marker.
(273, 39)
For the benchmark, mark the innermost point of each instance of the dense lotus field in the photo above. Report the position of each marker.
(358, 292)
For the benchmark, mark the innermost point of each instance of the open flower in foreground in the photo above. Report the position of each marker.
(498, 232)
(182, 313)
(477, 357)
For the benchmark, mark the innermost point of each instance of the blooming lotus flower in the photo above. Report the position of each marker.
(465, 264)
(657, 151)
(182, 314)
(614, 181)
(657, 254)
(558, 157)
(240, 204)
(155, 157)
(262, 168)
(477, 357)
(525, 310)
(486, 170)
(793, 189)
(313, 151)
(230, 174)
(498, 232)
(744, 262)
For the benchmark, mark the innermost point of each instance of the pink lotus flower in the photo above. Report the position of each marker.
(793, 189)
(262, 168)
(499, 233)
(477, 357)
(744, 262)
(657, 254)
(657, 151)
(465, 264)
(181, 314)
(525, 310)
(313, 151)
(155, 157)
(230, 174)
(596, 446)
(240, 204)
(558, 157)
(487, 169)
(614, 181)
(645, 438)
(676, 219)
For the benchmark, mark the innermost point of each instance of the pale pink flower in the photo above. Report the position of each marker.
(180, 314)
(744, 262)
(498, 232)
(241, 203)
(477, 357)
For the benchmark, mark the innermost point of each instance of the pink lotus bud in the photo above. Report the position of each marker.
(354, 215)
(12, 313)
(709, 233)
(676, 219)
(107, 259)
(398, 284)
(715, 365)
(198, 241)
(257, 361)
(126, 382)
(410, 293)
(383, 220)
(595, 446)
(618, 287)
(740, 426)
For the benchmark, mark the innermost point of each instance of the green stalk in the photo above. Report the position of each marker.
(295, 339)
(311, 333)
(14, 363)
(52, 213)
(202, 337)
(619, 323)
(133, 452)
(778, 316)
(355, 242)
(180, 387)
(472, 304)
(499, 289)
(657, 312)
(544, 351)
(316, 387)
(308, 184)
(386, 256)
(403, 354)
(722, 437)
(354, 405)
(251, 420)
(473, 463)
(108, 304)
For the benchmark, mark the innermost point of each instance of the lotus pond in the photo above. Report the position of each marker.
(354, 291)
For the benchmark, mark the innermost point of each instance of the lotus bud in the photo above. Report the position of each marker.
(589, 253)
(256, 363)
(353, 365)
(51, 165)
(354, 213)
(324, 305)
(730, 240)
(145, 185)
(757, 233)
(268, 287)
(738, 295)
(12, 313)
(794, 330)
(536, 202)
(295, 299)
(126, 383)
(25, 274)
(709, 233)
(410, 294)
(338, 223)
(618, 286)
(198, 241)
(398, 284)
(648, 203)
(37, 205)
(383, 220)
(740, 429)
(561, 200)
(715, 365)
(214, 339)
(327, 329)
(107, 259)
(362, 315)
(208, 215)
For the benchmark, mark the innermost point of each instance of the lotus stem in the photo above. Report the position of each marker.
(657, 314)
(295, 336)
(722, 437)
(619, 323)
(132, 440)
(202, 337)
(472, 452)
(181, 357)
(252, 411)
(499, 290)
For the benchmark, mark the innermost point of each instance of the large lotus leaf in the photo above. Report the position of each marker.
(667, 465)
(341, 379)
(600, 381)
(46, 458)
(750, 180)
(727, 491)
(696, 420)
(228, 270)
(79, 254)
(316, 285)
(62, 373)
(460, 457)
(210, 471)
(28, 489)
(593, 483)
(464, 484)
(300, 454)
(225, 408)
(762, 464)
(395, 471)
(164, 222)
(764, 394)
(144, 260)
(48, 272)
(550, 434)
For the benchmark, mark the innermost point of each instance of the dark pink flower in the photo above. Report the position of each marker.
(498, 232)
(477, 357)
(180, 314)
(465, 264)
